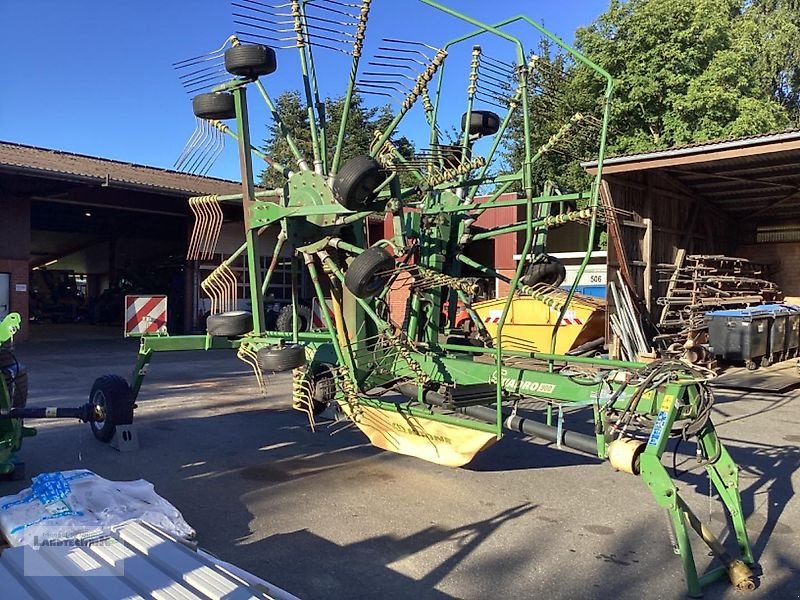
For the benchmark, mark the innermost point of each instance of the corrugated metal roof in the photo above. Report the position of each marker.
(44, 162)
(700, 147)
(137, 561)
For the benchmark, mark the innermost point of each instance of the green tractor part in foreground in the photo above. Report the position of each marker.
(13, 400)
(401, 380)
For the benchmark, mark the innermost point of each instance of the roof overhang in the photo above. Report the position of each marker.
(756, 177)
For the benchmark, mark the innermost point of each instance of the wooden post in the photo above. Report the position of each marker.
(647, 250)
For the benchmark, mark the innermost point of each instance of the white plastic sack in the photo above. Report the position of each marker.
(79, 504)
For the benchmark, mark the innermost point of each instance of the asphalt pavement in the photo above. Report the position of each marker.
(324, 515)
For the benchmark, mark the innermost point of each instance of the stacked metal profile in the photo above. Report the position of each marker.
(137, 561)
(703, 283)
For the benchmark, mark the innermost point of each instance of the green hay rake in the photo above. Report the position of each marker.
(399, 382)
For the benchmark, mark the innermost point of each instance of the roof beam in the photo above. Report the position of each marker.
(700, 155)
(714, 175)
(772, 205)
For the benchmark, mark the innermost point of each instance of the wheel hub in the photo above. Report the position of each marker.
(311, 232)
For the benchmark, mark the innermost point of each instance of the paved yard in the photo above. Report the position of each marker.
(325, 516)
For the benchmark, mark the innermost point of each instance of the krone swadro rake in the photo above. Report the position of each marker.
(399, 379)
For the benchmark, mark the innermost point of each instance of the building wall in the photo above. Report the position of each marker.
(782, 260)
(15, 242)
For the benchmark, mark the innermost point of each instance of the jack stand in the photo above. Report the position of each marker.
(125, 438)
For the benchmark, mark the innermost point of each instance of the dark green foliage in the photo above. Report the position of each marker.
(685, 71)
(361, 125)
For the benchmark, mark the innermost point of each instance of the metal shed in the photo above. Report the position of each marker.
(736, 197)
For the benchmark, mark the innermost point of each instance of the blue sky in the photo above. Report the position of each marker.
(95, 76)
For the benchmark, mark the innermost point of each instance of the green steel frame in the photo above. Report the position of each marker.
(432, 225)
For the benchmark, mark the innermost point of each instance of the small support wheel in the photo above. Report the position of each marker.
(481, 122)
(354, 185)
(766, 360)
(750, 364)
(214, 105)
(550, 271)
(230, 324)
(284, 322)
(111, 396)
(281, 358)
(323, 386)
(369, 272)
(250, 60)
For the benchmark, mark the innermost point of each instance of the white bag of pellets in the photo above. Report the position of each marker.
(76, 505)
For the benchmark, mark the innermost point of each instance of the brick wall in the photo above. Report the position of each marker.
(782, 258)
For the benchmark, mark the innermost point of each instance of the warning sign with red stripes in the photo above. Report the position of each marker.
(145, 314)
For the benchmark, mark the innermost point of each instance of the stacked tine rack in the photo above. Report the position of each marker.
(703, 283)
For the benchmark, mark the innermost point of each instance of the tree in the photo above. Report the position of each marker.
(551, 103)
(696, 70)
(361, 125)
(685, 71)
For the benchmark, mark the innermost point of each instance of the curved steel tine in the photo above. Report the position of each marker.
(260, 20)
(331, 21)
(333, 10)
(249, 36)
(202, 77)
(336, 2)
(187, 148)
(270, 6)
(371, 93)
(200, 148)
(313, 27)
(503, 63)
(203, 57)
(380, 64)
(412, 42)
(400, 58)
(208, 156)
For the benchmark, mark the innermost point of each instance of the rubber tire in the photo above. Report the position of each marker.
(284, 320)
(118, 403)
(230, 324)
(481, 122)
(324, 386)
(281, 358)
(14, 371)
(551, 272)
(364, 277)
(250, 60)
(354, 184)
(214, 105)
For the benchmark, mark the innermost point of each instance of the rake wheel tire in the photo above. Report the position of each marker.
(112, 393)
(369, 272)
(250, 60)
(355, 183)
(16, 376)
(281, 358)
(323, 385)
(551, 271)
(214, 105)
(230, 324)
(481, 122)
(284, 322)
